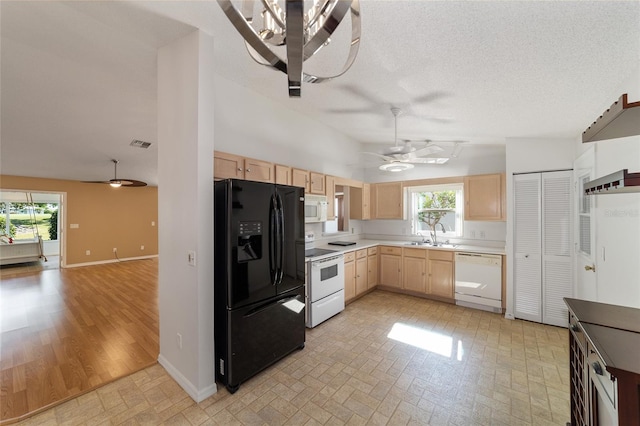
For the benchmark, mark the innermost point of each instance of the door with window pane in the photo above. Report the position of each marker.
(584, 229)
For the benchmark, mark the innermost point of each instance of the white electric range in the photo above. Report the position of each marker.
(325, 285)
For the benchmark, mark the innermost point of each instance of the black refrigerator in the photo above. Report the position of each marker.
(259, 275)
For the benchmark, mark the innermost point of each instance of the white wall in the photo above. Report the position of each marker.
(617, 218)
(248, 124)
(185, 211)
(530, 155)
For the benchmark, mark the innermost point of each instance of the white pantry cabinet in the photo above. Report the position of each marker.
(542, 246)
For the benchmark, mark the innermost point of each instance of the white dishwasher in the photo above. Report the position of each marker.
(479, 281)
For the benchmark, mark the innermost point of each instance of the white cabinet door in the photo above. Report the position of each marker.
(543, 246)
(527, 247)
(557, 267)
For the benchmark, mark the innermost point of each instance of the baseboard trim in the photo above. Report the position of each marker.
(103, 262)
(189, 388)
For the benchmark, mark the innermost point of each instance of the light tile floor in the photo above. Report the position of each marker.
(445, 365)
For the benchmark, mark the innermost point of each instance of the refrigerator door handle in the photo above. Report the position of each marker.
(280, 243)
(273, 239)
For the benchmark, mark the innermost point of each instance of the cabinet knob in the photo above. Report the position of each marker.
(248, 170)
(239, 169)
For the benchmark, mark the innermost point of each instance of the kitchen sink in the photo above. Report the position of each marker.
(420, 243)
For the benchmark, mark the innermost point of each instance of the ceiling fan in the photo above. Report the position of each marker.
(118, 182)
(402, 157)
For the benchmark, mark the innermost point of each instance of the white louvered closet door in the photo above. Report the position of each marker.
(557, 265)
(527, 247)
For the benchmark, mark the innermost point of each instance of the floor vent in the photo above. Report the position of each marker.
(140, 144)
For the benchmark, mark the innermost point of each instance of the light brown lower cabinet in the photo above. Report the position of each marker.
(390, 266)
(414, 270)
(349, 276)
(418, 271)
(361, 271)
(440, 273)
(372, 267)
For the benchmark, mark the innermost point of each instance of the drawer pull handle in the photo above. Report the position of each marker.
(590, 268)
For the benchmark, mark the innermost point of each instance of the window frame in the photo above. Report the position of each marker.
(412, 208)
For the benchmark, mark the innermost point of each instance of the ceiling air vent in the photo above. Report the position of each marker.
(140, 144)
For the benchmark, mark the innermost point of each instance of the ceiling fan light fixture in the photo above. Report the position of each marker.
(395, 167)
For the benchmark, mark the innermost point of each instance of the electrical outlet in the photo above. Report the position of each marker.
(115, 250)
(482, 234)
(141, 247)
(179, 340)
(88, 252)
(473, 234)
(191, 257)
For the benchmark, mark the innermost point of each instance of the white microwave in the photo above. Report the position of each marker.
(315, 208)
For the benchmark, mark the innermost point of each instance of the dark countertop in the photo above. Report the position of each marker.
(618, 348)
(614, 316)
(613, 330)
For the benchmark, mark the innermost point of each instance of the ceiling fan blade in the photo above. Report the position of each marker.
(384, 157)
(124, 182)
(132, 182)
(429, 97)
(428, 150)
(429, 160)
(369, 110)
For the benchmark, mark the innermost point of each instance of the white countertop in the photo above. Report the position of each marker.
(362, 244)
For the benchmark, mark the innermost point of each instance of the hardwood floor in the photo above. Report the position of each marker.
(64, 332)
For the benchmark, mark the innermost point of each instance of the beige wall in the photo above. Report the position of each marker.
(107, 217)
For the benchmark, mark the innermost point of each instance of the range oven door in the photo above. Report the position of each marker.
(326, 277)
(602, 392)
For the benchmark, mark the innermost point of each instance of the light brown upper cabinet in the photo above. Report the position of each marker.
(387, 200)
(484, 197)
(300, 178)
(283, 175)
(317, 183)
(237, 167)
(330, 182)
(227, 166)
(260, 171)
(359, 202)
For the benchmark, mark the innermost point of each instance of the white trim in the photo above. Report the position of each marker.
(189, 388)
(102, 262)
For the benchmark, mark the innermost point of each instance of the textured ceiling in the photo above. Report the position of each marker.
(79, 79)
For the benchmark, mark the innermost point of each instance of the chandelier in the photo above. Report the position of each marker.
(267, 24)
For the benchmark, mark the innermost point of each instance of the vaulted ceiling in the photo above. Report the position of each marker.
(78, 79)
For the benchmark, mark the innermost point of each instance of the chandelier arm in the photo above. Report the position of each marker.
(247, 10)
(250, 36)
(312, 18)
(338, 12)
(353, 49)
(295, 45)
(275, 12)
